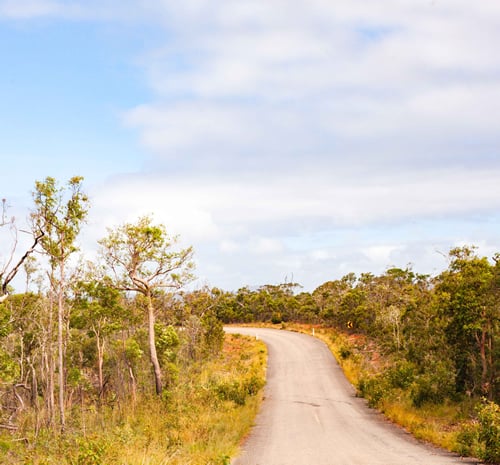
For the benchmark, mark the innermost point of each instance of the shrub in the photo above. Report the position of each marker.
(433, 386)
(373, 389)
(91, 452)
(489, 430)
(345, 352)
(468, 441)
(401, 375)
(238, 391)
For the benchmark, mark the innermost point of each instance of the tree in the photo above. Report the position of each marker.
(10, 268)
(141, 259)
(468, 299)
(58, 217)
(98, 305)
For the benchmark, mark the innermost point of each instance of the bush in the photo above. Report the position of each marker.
(489, 430)
(237, 391)
(401, 375)
(468, 441)
(373, 389)
(433, 386)
(345, 352)
(90, 452)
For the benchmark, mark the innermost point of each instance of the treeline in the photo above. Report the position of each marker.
(441, 333)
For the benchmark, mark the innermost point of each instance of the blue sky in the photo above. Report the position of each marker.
(284, 140)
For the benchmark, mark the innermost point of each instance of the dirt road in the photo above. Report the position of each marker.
(311, 416)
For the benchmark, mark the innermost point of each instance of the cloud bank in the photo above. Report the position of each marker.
(309, 138)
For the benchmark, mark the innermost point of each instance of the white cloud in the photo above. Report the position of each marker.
(23, 9)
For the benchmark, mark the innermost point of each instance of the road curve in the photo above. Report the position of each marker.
(311, 416)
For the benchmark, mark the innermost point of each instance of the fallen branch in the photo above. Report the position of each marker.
(10, 427)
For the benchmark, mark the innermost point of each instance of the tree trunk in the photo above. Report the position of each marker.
(133, 385)
(485, 385)
(60, 347)
(152, 346)
(49, 363)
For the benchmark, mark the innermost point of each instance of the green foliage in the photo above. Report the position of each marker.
(91, 451)
(9, 369)
(401, 375)
(433, 385)
(467, 440)
(133, 351)
(373, 389)
(213, 334)
(489, 430)
(167, 342)
(59, 214)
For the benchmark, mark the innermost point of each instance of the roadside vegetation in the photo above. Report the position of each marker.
(111, 361)
(424, 350)
(114, 361)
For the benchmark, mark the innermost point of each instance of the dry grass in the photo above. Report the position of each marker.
(193, 425)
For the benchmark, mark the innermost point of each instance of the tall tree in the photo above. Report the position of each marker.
(59, 213)
(142, 260)
(467, 291)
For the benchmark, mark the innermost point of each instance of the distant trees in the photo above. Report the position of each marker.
(442, 331)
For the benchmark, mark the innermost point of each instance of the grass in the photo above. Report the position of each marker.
(201, 421)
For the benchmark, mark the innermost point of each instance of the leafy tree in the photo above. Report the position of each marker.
(58, 217)
(468, 299)
(141, 259)
(98, 309)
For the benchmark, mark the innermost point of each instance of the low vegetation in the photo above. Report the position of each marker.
(200, 422)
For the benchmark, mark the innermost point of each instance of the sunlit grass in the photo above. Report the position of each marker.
(195, 424)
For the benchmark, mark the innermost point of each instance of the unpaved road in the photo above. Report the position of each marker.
(310, 415)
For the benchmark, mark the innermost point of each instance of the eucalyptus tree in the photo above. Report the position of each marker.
(469, 300)
(10, 266)
(57, 218)
(98, 309)
(142, 258)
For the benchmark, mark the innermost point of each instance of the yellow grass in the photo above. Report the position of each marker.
(193, 426)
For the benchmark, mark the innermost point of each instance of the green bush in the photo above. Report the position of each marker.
(237, 391)
(468, 441)
(434, 385)
(345, 352)
(489, 430)
(401, 375)
(91, 452)
(373, 389)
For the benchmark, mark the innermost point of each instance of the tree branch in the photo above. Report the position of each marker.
(10, 276)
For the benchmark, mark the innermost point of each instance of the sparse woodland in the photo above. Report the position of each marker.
(103, 354)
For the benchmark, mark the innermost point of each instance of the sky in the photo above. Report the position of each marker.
(294, 140)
